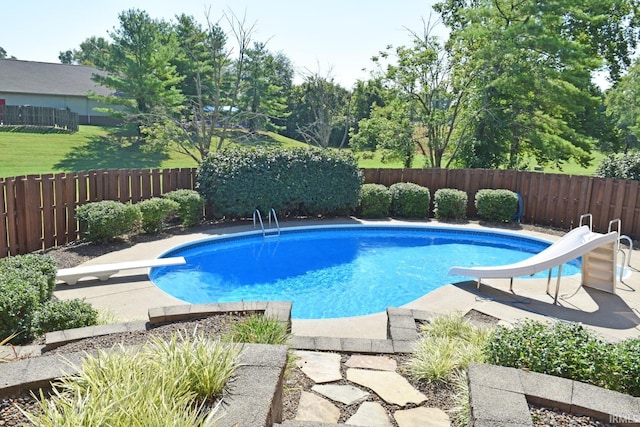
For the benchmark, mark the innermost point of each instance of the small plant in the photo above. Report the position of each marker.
(409, 200)
(450, 203)
(106, 220)
(154, 212)
(496, 205)
(6, 341)
(259, 330)
(375, 200)
(162, 384)
(447, 346)
(60, 315)
(190, 206)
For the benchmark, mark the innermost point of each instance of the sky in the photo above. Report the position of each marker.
(335, 38)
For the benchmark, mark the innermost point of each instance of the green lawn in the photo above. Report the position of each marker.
(90, 148)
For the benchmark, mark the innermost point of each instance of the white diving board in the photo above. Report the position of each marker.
(578, 242)
(105, 271)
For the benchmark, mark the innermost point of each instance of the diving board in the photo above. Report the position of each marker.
(105, 271)
(599, 253)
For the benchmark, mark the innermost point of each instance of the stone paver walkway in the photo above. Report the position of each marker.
(366, 375)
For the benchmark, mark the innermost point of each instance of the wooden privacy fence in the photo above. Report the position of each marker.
(28, 115)
(38, 211)
(554, 200)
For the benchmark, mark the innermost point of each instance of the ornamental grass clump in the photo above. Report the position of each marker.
(447, 345)
(259, 329)
(161, 384)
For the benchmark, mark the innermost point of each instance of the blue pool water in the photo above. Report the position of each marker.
(332, 272)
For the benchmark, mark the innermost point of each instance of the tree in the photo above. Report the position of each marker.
(533, 63)
(137, 65)
(623, 106)
(366, 95)
(265, 85)
(390, 131)
(66, 57)
(320, 111)
(3, 53)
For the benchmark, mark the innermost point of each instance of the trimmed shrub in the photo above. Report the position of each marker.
(567, 350)
(299, 181)
(450, 203)
(190, 206)
(409, 200)
(496, 205)
(375, 200)
(154, 213)
(621, 166)
(59, 315)
(106, 220)
(39, 271)
(19, 300)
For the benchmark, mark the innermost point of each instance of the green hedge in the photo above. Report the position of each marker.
(59, 315)
(154, 213)
(375, 200)
(106, 220)
(26, 287)
(450, 203)
(567, 350)
(190, 206)
(298, 181)
(496, 205)
(409, 200)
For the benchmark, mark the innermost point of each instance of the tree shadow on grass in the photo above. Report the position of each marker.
(103, 152)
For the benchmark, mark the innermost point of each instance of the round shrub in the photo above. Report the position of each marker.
(60, 315)
(374, 201)
(409, 200)
(190, 206)
(36, 270)
(104, 221)
(154, 213)
(450, 203)
(18, 302)
(496, 205)
(621, 166)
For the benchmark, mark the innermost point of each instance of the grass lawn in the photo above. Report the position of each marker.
(90, 148)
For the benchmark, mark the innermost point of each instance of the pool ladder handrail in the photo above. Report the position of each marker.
(272, 214)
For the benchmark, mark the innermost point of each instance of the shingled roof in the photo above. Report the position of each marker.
(45, 78)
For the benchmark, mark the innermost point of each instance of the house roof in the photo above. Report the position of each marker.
(43, 78)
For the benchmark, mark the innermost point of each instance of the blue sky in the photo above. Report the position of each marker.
(331, 36)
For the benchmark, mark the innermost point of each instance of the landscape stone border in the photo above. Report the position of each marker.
(499, 396)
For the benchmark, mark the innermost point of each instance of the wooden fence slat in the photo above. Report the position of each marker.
(4, 231)
(156, 183)
(145, 188)
(48, 210)
(59, 208)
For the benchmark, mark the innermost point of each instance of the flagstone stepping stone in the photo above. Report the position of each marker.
(320, 367)
(392, 387)
(315, 408)
(346, 394)
(370, 414)
(380, 363)
(422, 417)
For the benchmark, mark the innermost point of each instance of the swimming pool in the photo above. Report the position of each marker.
(337, 271)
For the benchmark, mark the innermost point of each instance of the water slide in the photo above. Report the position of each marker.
(598, 265)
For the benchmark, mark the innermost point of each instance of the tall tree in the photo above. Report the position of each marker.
(3, 53)
(533, 64)
(138, 67)
(623, 106)
(320, 111)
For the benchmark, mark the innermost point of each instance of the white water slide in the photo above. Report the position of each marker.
(599, 261)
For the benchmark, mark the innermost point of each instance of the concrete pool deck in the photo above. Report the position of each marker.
(129, 296)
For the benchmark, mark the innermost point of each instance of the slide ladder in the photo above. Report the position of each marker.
(599, 266)
(267, 232)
